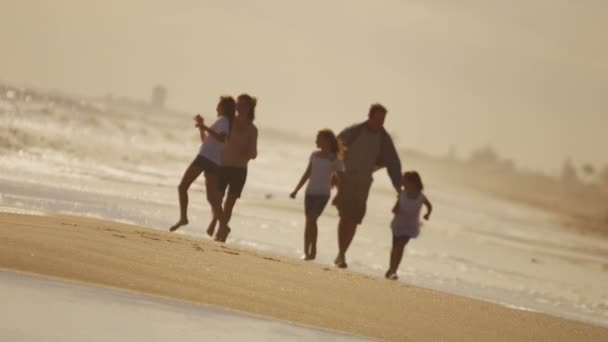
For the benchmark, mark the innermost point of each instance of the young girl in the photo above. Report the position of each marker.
(208, 159)
(406, 223)
(324, 164)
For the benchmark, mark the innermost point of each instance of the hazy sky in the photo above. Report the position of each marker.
(529, 77)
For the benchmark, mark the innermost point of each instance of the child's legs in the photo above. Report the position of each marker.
(190, 175)
(310, 236)
(399, 243)
(314, 206)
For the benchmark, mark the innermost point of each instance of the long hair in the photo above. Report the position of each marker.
(228, 109)
(414, 178)
(335, 145)
(251, 103)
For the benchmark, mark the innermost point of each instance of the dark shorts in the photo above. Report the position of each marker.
(351, 199)
(205, 164)
(232, 179)
(315, 204)
(400, 240)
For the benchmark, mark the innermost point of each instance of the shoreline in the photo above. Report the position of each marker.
(185, 268)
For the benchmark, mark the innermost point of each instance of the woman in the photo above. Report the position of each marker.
(239, 149)
(208, 159)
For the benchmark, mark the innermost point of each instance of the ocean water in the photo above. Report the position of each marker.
(124, 164)
(105, 314)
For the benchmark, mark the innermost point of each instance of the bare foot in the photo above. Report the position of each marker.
(340, 262)
(222, 234)
(390, 275)
(308, 257)
(181, 222)
(211, 228)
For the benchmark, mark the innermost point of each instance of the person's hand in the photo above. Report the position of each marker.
(427, 216)
(293, 194)
(334, 181)
(199, 120)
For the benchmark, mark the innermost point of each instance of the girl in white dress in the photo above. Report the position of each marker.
(406, 223)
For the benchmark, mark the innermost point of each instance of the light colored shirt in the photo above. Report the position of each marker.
(241, 146)
(211, 147)
(321, 171)
(407, 221)
(362, 154)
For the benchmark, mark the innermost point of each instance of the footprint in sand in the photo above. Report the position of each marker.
(230, 252)
(272, 259)
(119, 236)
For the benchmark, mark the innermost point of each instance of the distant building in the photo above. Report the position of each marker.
(159, 96)
(569, 174)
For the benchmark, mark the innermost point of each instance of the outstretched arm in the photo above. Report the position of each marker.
(303, 180)
(429, 208)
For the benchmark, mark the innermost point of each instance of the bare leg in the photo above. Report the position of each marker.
(346, 232)
(227, 215)
(396, 256)
(213, 195)
(192, 172)
(211, 227)
(310, 238)
(214, 221)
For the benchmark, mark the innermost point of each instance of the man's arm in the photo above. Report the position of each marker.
(253, 145)
(390, 158)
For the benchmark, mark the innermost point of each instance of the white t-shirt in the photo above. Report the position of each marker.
(321, 170)
(211, 147)
(407, 221)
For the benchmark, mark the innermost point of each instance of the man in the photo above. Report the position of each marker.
(368, 148)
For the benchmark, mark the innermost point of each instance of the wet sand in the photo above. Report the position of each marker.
(106, 314)
(191, 269)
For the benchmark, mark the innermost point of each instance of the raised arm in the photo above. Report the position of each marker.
(221, 137)
(199, 123)
(429, 208)
(303, 180)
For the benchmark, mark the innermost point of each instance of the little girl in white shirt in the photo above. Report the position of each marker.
(406, 223)
(324, 167)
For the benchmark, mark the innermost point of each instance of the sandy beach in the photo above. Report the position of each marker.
(197, 270)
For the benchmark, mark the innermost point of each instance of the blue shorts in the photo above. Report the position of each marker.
(315, 204)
